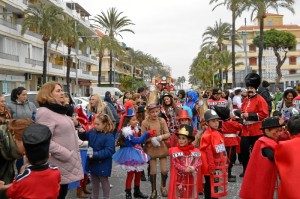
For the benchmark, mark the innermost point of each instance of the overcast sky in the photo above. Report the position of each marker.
(171, 30)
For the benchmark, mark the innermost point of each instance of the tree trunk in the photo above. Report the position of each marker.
(233, 49)
(110, 67)
(100, 69)
(45, 61)
(261, 46)
(68, 70)
(226, 79)
(279, 64)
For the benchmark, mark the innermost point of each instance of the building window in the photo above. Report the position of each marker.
(253, 61)
(292, 60)
(252, 48)
(292, 71)
(270, 23)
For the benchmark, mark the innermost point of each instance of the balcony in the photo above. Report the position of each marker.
(33, 62)
(9, 57)
(8, 24)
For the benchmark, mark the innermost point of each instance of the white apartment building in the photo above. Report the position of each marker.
(247, 53)
(21, 56)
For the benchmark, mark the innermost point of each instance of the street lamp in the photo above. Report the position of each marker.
(244, 35)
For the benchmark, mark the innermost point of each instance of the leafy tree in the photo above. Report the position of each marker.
(236, 7)
(45, 19)
(279, 41)
(113, 23)
(260, 7)
(100, 45)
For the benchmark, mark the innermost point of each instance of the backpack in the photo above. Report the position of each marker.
(8, 149)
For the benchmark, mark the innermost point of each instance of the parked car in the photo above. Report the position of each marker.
(82, 101)
(31, 96)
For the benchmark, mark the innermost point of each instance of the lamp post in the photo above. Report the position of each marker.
(244, 35)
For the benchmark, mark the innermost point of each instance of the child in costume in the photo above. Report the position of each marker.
(156, 147)
(39, 179)
(185, 160)
(214, 158)
(261, 173)
(131, 157)
(288, 162)
(230, 129)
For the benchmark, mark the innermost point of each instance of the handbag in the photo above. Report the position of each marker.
(161, 151)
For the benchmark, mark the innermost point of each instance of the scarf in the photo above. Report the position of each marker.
(186, 149)
(57, 108)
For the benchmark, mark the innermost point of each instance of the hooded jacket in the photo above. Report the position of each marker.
(24, 110)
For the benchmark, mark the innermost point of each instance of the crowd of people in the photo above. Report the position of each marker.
(45, 152)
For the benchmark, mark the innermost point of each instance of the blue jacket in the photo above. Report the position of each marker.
(103, 147)
(131, 140)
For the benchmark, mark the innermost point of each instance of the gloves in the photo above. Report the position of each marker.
(90, 152)
(152, 133)
(155, 142)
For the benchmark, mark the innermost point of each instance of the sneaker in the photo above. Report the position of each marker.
(111, 186)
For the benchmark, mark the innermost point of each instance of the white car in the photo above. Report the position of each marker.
(82, 101)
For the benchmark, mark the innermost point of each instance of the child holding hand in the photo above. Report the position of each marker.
(185, 160)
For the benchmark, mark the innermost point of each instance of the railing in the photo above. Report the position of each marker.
(86, 72)
(8, 24)
(9, 56)
(60, 67)
(33, 61)
(34, 34)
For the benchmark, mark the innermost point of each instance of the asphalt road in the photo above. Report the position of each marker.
(118, 181)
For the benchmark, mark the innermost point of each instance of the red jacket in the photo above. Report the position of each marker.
(209, 141)
(257, 108)
(288, 164)
(261, 173)
(42, 182)
(182, 184)
(230, 130)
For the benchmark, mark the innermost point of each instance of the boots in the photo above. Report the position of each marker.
(143, 177)
(138, 194)
(80, 193)
(163, 188)
(128, 194)
(153, 186)
(231, 178)
(85, 190)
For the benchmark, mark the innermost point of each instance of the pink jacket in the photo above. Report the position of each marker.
(64, 147)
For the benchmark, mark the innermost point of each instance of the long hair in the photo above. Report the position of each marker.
(17, 126)
(108, 124)
(121, 138)
(100, 105)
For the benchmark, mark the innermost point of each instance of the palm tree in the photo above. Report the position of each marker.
(113, 23)
(102, 44)
(236, 7)
(260, 7)
(216, 34)
(225, 61)
(45, 20)
(69, 36)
